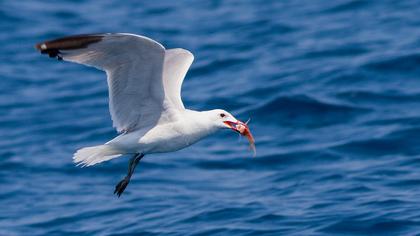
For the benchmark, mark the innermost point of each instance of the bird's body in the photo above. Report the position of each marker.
(144, 81)
(187, 129)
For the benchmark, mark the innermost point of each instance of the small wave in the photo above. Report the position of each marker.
(304, 111)
(348, 6)
(375, 226)
(408, 121)
(377, 99)
(405, 63)
(397, 142)
(273, 161)
(214, 66)
(345, 51)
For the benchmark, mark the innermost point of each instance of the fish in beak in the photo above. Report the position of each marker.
(243, 129)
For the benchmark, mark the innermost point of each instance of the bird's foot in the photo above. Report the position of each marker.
(120, 187)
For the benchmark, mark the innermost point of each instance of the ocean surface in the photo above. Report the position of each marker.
(332, 89)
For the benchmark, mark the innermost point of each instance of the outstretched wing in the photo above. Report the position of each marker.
(177, 63)
(134, 66)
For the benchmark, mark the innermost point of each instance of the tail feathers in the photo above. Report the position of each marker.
(90, 156)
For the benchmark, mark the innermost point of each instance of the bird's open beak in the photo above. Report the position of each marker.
(232, 125)
(243, 129)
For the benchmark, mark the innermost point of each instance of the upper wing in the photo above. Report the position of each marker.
(177, 62)
(134, 65)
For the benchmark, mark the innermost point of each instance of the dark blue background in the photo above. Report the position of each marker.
(332, 88)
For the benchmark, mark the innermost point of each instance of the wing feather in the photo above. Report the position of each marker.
(176, 65)
(134, 66)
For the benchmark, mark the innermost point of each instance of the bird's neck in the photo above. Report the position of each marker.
(200, 123)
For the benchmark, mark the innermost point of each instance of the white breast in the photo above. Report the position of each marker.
(164, 137)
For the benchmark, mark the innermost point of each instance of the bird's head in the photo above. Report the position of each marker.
(225, 120)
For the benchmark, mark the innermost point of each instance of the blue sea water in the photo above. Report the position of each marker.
(332, 89)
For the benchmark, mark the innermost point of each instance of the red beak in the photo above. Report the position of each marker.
(243, 129)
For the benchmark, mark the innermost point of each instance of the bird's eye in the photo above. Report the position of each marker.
(222, 115)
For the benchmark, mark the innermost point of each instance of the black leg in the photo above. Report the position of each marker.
(120, 187)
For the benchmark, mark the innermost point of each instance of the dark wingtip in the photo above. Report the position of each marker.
(53, 47)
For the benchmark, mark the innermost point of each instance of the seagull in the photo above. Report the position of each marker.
(144, 82)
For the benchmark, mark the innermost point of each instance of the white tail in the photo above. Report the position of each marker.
(90, 156)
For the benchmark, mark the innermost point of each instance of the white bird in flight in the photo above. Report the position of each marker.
(144, 81)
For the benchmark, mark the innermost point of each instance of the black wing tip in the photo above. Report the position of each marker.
(53, 47)
(53, 53)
